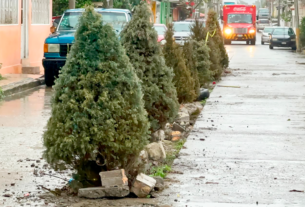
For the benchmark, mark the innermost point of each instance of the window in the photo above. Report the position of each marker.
(8, 11)
(40, 11)
(240, 18)
(182, 27)
(70, 21)
(160, 30)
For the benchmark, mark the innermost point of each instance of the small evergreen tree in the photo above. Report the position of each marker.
(97, 107)
(140, 41)
(183, 80)
(190, 57)
(198, 35)
(218, 55)
(302, 32)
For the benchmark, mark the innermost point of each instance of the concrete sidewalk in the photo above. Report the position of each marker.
(16, 83)
(248, 145)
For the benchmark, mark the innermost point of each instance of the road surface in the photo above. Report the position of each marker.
(253, 128)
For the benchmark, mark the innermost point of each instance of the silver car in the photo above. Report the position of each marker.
(265, 38)
(262, 23)
(182, 31)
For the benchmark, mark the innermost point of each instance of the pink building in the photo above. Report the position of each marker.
(24, 25)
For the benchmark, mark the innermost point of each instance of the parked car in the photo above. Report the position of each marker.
(193, 20)
(59, 43)
(283, 37)
(161, 29)
(182, 31)
(262, 23)
(265, 38)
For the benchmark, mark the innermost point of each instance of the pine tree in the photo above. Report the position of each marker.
(97, 107)
(140, 41)
(183, 80)
(190, 57)
(198, 35)
(218, 55)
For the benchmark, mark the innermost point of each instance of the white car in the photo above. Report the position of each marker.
(265, 38)
(182, 31)
(262, 23)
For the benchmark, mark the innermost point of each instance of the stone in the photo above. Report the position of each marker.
(168, 134)
(143, 156)
(175, 139)
(183, 116)
(158, 136)
(114, 178)
(159, 183)
(177, 127)
(103, 192)
(156, 151)
(143, 185)
(192, 108)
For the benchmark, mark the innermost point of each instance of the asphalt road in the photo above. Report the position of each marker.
(253, 149)
(253, 130)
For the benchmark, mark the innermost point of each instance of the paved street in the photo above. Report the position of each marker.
(253, 131)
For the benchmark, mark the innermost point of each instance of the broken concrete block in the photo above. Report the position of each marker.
(176, 135)
(156, 151)
(192, 108)
(159, 183)
(177, 127)
(143, 185)
(158, 136)
(183, 116)
(103, 192)
(114, 178)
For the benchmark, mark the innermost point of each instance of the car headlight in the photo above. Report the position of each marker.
(274, 39)
(251, 31)
(228, 31)
(163, 42)
(292, 39)
(51, 48)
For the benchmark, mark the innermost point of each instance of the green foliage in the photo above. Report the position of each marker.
(203, 102)
(1, 94)
(302, 32)
(198, 31)
(140, 41)
(98, 116)
(191, 61)
(218, 55)
(183, 80)
(160, 171)
(203, 63)
(179, 145)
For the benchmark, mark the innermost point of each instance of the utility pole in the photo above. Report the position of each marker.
(297, 29)
(71, 4)
(279, 13)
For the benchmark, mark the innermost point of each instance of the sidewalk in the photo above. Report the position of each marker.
(248, 145)
(16, 83)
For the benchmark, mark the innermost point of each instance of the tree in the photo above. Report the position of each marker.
(98, 114)
(183, 80)
(302, 31)
(218, 55)
(140, 41)
(198, 35)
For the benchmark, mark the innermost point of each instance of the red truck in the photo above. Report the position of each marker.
(239, 23)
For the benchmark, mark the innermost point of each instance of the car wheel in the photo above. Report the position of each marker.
(294, 48)
(247, 42)
(262, 42)
(270, 47)
(49, 77)
(252, 42)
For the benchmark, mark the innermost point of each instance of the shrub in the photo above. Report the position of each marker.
(218, 55)
(183, 80)
(140, 41)
(98, 114)
(302, 32)
(198, 31)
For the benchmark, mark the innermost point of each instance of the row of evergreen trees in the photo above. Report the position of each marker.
(197, 63)
(111, 95)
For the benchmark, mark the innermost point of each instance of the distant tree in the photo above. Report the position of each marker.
(98, 116)
(218, 54)
(183, 80)
(140, 41)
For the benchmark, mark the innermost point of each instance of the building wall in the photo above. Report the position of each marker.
(10, 43)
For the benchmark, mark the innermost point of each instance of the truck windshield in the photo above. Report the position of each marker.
(70, 20)
(240, 18)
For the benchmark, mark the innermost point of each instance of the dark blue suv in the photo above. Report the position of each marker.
(58, 44)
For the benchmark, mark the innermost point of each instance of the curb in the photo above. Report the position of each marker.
(21, 86)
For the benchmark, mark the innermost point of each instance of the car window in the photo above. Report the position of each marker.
(290, 31)
(240, 18)
(268, 30)
(113, 17)
(283, 31)
(160, 30)
(182, 27)
(70, 21)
